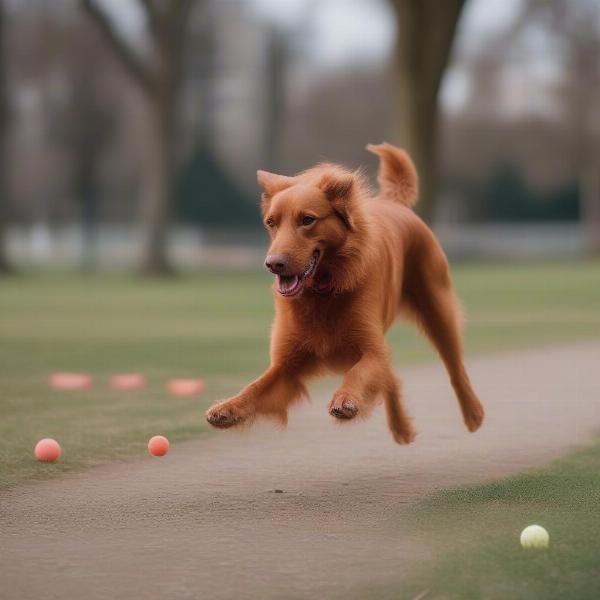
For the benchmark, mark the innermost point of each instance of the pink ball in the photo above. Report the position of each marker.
(158, 445)
(185, 387)
(47, 450)
(128, 381)
(70, 381)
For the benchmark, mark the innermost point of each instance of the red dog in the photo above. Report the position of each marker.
(346, 264)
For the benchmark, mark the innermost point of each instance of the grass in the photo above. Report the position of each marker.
(215, 326)
(474, 533)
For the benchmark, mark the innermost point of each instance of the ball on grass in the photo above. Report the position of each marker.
(70, 381)
(127, 381)
(47, 450)
(185, 387)
(158, 445)
(534, 536)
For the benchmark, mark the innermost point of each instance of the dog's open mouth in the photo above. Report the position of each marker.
(322, 282)
(292, 285)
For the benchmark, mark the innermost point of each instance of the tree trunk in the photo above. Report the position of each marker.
(425, 32)
(4, 265)
(590, 209)
(89, 223)
(158, 183)
(159, 83)
(274, 113)
(417, 122)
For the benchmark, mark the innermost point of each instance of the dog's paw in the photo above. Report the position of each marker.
(226, 414)
(474, 417)
(404, 436)
(343, 406)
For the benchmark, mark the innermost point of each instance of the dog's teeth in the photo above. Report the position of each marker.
(288, 284)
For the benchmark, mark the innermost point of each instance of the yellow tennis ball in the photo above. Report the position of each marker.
(534, 536)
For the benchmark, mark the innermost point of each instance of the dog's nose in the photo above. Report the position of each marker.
(277, 263)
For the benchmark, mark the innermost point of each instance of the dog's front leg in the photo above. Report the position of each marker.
(361, 385)
(369, 378)
(270, 395)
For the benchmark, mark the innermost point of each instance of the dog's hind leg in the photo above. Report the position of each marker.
(398, 421)
(428, 298)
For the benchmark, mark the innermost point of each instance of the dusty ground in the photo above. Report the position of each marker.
(206, 521)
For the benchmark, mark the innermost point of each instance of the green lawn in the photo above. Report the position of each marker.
(215, 326)
(474, 533)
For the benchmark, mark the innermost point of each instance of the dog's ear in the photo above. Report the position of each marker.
(272, 183)
(339, 190)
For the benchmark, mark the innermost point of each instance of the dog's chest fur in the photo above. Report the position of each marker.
(325, 325)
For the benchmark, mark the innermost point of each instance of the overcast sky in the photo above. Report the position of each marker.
(363, 29)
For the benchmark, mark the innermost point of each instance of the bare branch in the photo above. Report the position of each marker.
(134, 66)
(179, 10)
(154, 17)
(178, 18)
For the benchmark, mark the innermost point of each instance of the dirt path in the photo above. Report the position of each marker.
(205, 521)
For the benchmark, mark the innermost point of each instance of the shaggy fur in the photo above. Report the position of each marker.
(347, 263)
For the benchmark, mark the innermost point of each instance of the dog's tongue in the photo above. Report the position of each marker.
(287, 284)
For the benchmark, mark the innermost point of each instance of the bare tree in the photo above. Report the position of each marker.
(576, 26)
(86, 127)
(425, 32)
(4, 266)
(159, 80)
(275, 101)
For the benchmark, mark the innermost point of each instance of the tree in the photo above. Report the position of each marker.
(4, 123)
(275, 74)
(159, 80)
(576, 26)
(86, 127)
(425, 33)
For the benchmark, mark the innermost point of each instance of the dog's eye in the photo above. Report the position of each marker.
(269, 222)
(307, 220)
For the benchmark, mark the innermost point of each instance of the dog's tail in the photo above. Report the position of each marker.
(398, 180)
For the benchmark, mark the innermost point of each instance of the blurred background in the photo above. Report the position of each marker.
(130, 131)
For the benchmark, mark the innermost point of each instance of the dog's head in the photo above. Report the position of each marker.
(315, 223)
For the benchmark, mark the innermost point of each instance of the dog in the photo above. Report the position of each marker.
(346, 264)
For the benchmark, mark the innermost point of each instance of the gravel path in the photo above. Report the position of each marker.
(299, 513)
